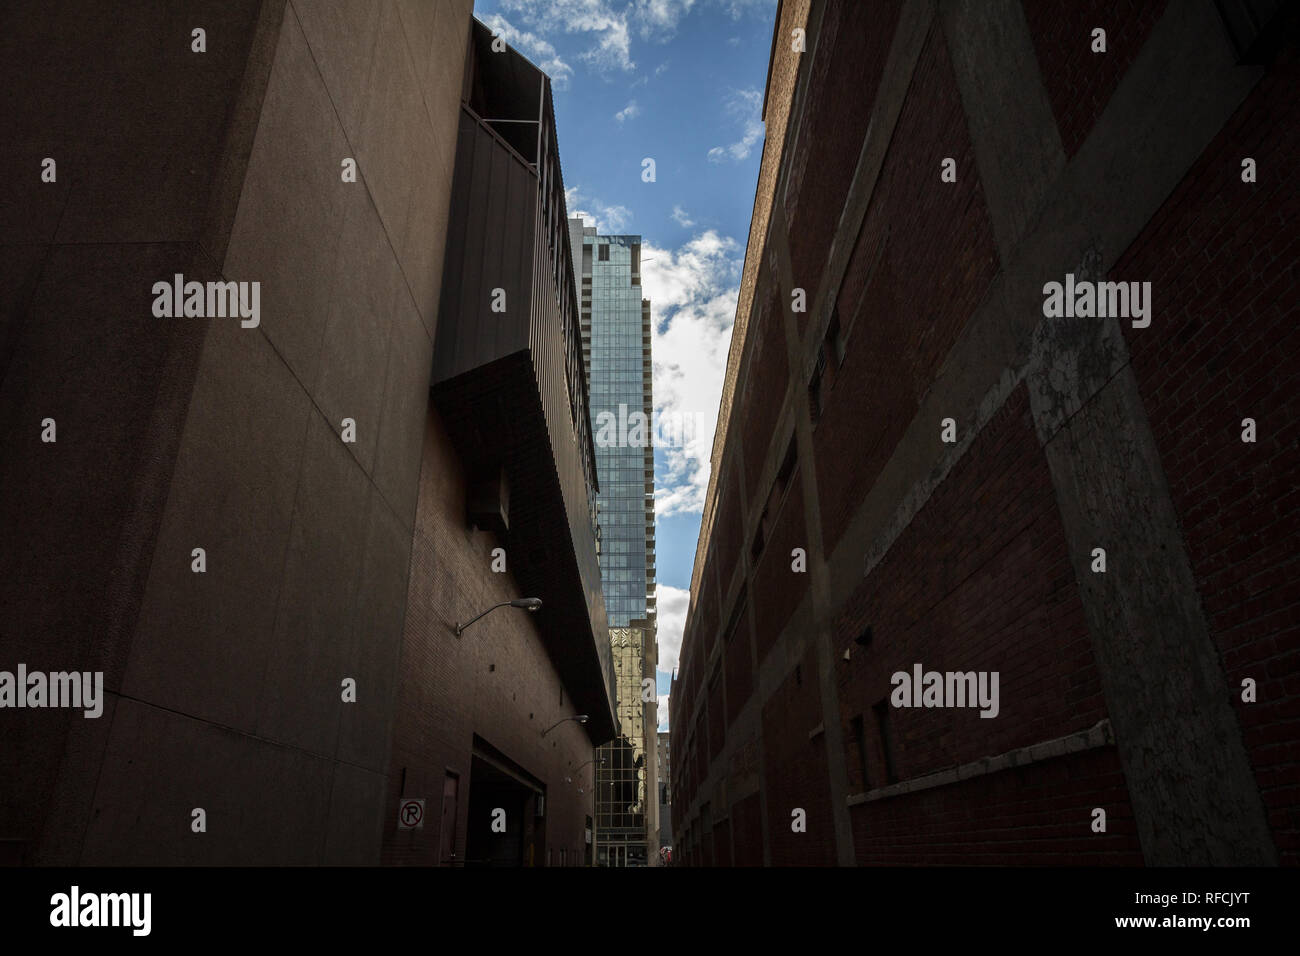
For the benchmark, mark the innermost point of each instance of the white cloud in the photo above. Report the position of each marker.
(662, 713)
(693, 293)
(610, 220)
(746, 106)
(613, 51)
(534, 47)
(607, 26)
(670, 620)
(627, 112)
(681, 218)
(658, 19)
(738, 8)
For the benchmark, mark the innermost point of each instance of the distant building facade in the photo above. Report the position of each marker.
(616, 339)
(627, 812)
(616, 336)
(665, 790)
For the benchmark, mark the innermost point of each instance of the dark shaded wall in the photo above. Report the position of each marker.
(496, 680)
(150, 142)
(1231, 352)
(223, 687)
(1121, 690)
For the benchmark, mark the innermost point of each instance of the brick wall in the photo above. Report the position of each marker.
(701, 749)
(728, 531)
(980, 577)
(722, 843)
(937, 260)
(1040, 814)
(717, 712)
(747, 824)
(705, 619)
(795, 771)
(1080, 82)
(762, 390)
(1221, 255)
(738, 667)
(850, 58)
(980, 580)
(777, 588)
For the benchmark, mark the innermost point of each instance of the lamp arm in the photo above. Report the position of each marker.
(460, 628)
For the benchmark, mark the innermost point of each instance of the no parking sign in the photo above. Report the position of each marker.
(410, 814)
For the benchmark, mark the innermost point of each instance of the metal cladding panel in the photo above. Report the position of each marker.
(505, 385)
(547, 346)
(489, 247)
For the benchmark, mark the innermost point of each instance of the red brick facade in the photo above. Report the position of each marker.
(965, 551)
(921, 263)
(1226, 252)
(777, 589)
(850, 58)
(1079, 81)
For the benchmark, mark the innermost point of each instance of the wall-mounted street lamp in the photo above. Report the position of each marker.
(580, 718)
(531, 604)
(600, 760)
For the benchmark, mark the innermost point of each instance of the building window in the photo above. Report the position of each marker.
(815, 387)
(858, 730)
(886, 740)
(787, 469)
(834, 341)
(604, 251)
(1256, 27)
(733, 623)
(830, 356)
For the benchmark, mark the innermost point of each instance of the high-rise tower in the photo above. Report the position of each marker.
(616, 355)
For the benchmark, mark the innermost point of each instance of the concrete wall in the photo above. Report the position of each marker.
(224, 687)
(496, 680)
(150, 142)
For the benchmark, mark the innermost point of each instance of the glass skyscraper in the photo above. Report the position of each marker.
(616, 335)
(616, 351)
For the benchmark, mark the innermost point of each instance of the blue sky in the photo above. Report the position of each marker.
(680, 82)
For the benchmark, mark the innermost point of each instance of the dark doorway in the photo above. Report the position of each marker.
(450, 808)
(504, 828)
